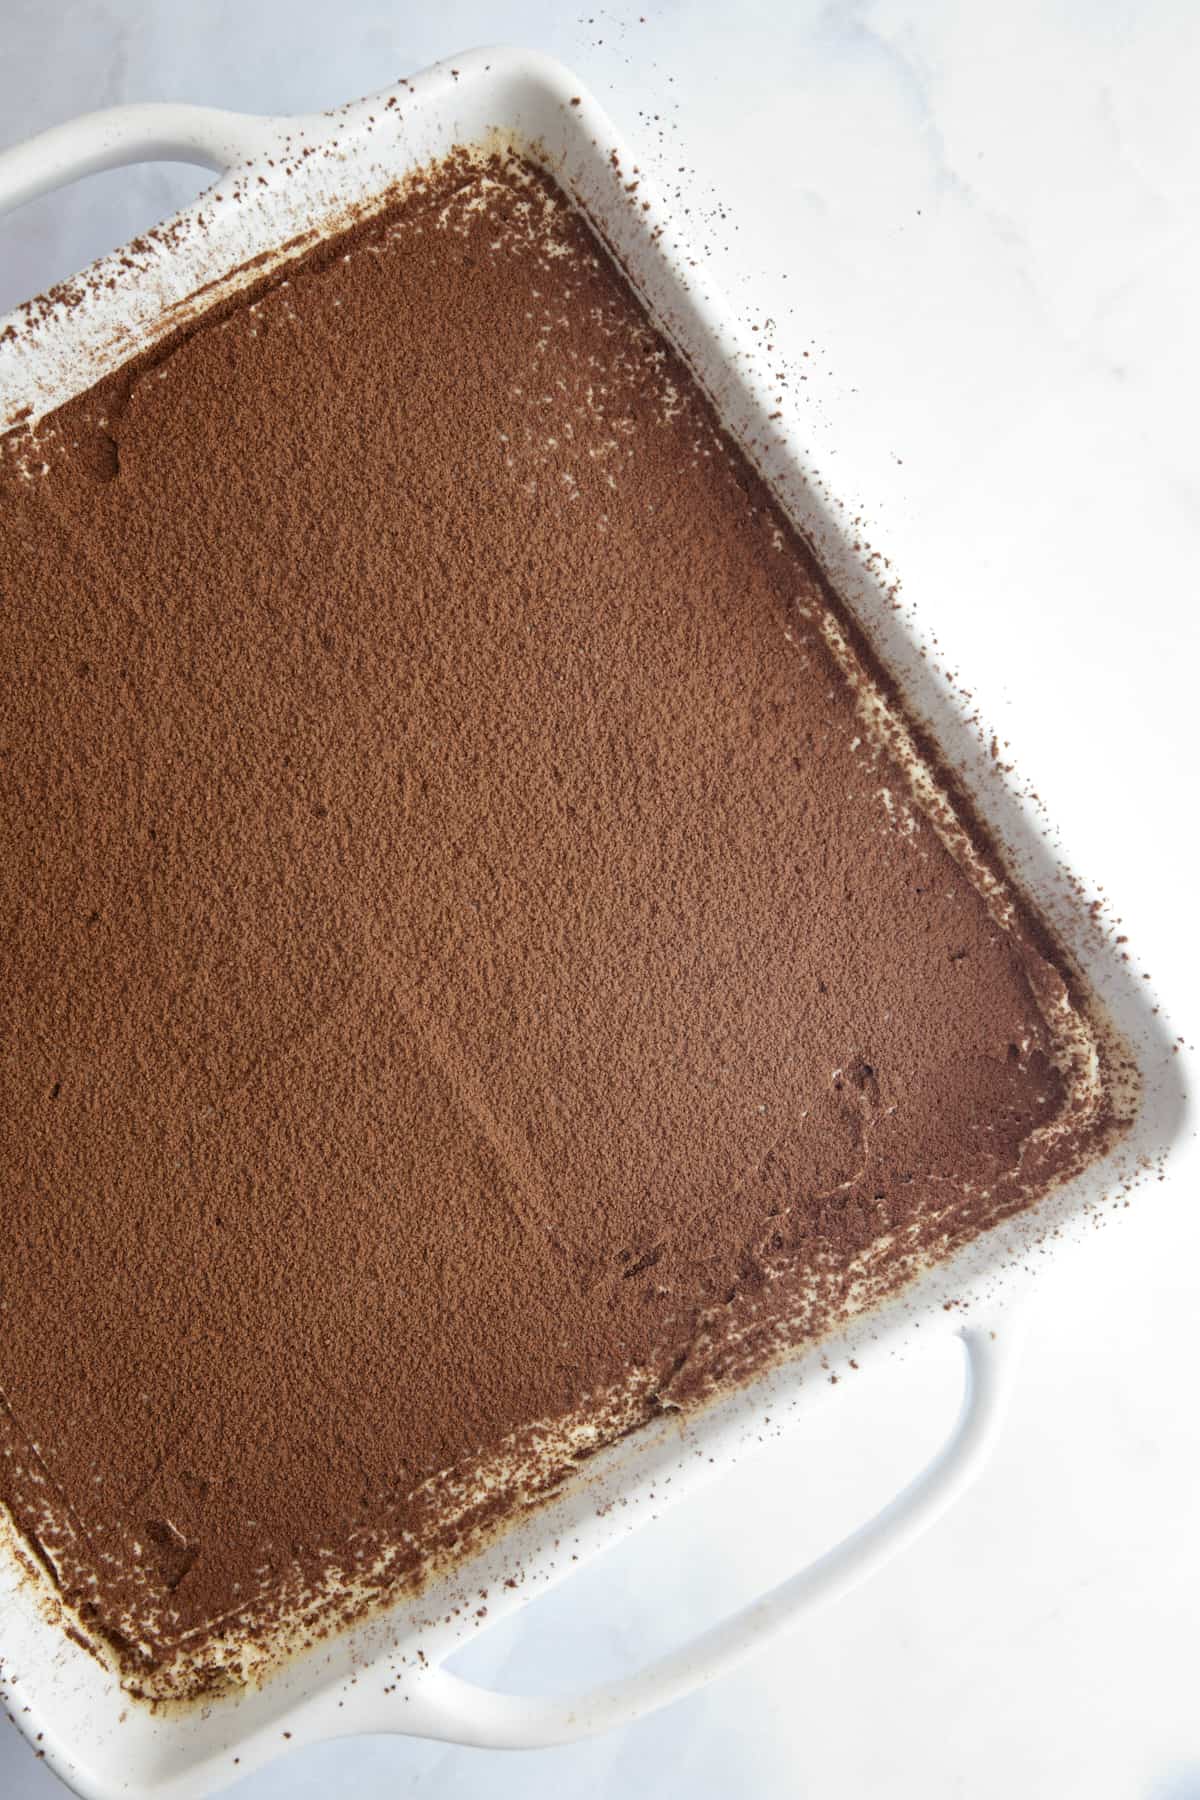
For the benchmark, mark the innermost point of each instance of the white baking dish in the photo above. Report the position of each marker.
(391, 1674)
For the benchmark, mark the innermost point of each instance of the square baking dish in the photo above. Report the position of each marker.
(285, 184)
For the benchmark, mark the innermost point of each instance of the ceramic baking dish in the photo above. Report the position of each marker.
(391, 1675)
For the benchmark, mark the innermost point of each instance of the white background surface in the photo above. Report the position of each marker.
(983, 223)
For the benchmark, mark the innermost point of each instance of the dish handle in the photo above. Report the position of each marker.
(118, 135)
(442, 1705)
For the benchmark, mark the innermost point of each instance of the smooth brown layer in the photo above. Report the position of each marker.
(458, 937)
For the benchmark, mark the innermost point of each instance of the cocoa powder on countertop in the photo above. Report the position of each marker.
(464, 956)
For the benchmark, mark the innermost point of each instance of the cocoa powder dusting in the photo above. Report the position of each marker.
(467, 963)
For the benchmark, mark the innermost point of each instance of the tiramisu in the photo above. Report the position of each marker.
(481, 959)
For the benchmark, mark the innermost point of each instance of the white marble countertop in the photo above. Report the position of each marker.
(983, 223)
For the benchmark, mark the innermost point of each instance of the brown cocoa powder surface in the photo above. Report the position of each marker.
(461, 951)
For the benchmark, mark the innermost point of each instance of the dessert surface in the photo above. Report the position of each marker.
(471, 965)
